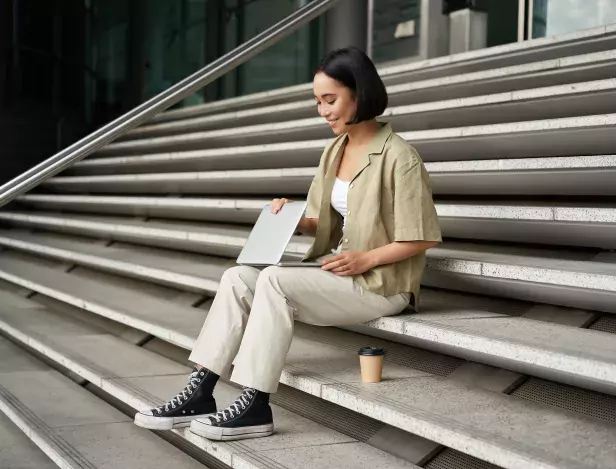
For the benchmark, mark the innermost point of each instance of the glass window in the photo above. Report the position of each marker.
(552, 17)
(387, 16)
(174, 44)
(229, 23)
(108, 56)
(502, 21)
(139, 48)
(285, 63)
(193, 44)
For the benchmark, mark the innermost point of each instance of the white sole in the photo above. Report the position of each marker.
(164, 423)
(227, 434)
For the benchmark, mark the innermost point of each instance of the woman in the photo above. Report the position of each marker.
(371, 204)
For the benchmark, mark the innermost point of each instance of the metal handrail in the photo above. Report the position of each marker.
(162, 101)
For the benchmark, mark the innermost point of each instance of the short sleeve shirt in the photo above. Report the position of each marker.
(389, 199)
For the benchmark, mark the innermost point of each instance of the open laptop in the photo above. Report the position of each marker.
(271, 234)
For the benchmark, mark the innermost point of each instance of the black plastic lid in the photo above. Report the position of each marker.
(372, 351)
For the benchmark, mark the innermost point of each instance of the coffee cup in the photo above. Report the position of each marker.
(371, 363)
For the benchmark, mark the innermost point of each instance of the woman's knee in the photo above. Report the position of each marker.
(240, 274)
(269, 276)
(276, 277)
(270, 273)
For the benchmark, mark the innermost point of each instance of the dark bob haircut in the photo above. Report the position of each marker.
(354, 69)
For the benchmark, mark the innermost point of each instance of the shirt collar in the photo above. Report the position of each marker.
(375, 147)
(377, 144)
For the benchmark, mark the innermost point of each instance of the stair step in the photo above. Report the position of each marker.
(196, 272)
(444, 324)
(574, 224)
(185, 271)
(17, 450)
(533, 50)
(539, 223)
(226, 210)
(216, 239)
(283, 123)
(483, 424)
(143, 379)
(70, 425)
(509, 55)
(552, 72)
(286, 180)
(553, 176)
(272, 156)
(572, 175)
(469, 179)
(574, 279)
(562, 277)
(566, 136)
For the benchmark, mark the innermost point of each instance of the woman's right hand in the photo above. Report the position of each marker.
(276, 204)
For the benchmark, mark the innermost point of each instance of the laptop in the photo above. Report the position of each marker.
(270, 236)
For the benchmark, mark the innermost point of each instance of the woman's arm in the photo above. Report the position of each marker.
(415, 224)
(358, 262)
(308, 226)
(398, 251)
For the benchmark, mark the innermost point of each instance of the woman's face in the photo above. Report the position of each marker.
(335, 102)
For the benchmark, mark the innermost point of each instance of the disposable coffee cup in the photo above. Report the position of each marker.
(371, 363)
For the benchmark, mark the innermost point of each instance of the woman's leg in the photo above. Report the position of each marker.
(309, 295)
(222, 332)
(215, 349)
(283, 295)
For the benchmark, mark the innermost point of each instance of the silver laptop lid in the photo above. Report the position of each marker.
(271, 234)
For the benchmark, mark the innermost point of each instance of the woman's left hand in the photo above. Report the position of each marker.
(348, 263)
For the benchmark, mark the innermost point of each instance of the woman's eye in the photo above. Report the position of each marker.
(332, 102)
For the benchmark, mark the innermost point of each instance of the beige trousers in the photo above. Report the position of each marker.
(250, 322)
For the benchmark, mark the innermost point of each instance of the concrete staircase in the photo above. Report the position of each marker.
(70, 425)
(107, 272)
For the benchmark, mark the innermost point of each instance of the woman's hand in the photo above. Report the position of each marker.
(276, 204)
(349, 263)
(307, 226)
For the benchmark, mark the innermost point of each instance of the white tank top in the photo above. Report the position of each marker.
(339, 198)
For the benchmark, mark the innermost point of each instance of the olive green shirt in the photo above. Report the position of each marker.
(389, 200)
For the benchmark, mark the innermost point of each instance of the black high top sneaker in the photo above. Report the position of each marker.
(250, 416)
(194, 401)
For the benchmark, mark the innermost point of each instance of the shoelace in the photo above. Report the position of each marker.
(235, 408)
(193, 382)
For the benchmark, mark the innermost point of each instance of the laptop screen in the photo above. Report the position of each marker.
(271, 234)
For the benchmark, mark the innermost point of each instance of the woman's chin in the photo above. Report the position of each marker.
(337, 130)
